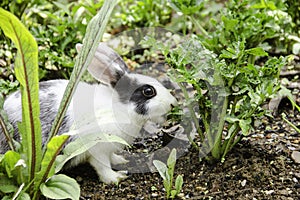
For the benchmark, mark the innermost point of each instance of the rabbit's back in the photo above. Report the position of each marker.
(50, 94)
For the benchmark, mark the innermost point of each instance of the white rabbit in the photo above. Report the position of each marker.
(120, 106)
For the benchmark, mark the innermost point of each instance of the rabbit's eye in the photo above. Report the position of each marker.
(149, 91)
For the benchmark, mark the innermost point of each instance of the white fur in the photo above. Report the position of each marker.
(97, 108)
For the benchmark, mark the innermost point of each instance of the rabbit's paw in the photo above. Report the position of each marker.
(118, 159)
(113, 176)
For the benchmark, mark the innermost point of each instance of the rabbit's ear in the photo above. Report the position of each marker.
(107, 66)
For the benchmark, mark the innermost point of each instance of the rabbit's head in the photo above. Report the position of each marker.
(145, 96)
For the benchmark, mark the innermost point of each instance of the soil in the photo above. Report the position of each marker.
(264, 165)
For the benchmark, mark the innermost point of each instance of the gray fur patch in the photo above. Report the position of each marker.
(48, 111)
(125, 87)
(129, 90)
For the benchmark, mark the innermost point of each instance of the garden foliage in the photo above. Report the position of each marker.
(231, 72)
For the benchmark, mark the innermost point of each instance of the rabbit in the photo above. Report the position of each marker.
(119, 105)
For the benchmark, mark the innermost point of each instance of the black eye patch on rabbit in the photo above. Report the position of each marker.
(120, 105)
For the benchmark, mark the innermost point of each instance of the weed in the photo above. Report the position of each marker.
(230, 86)
(167, 174)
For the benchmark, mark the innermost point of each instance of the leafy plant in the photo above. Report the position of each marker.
(189, 10)
(26, 170)
(260, 24)
(167, 174)
(230, 85)
(293, 8)
(142, 13)
(7, 86)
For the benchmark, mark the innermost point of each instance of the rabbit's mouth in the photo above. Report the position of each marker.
(159, 119)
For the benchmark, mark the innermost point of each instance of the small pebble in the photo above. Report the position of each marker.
(154, 195)
(243, 183)
(79, 179)
(297, 175)
(295, 180)
(269, 191)
(180, 195)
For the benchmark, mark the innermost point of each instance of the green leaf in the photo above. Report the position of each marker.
(245, 126)
(230, 24)
(7, 185)
(9, 161)
(26, 69)
(229, 53)
(171, 165)
(24, 196)
(230, 131)
(61, 187)
(161, 168)
(255, 98)
(47, 166)
(172, 159)
(257, 51)
(6, 198)
(82, 144)
(178, 183)
(231, 119)
(173, 194)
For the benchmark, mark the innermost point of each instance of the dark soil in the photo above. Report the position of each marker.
(261, 166)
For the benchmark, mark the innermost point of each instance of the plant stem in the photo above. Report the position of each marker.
(192, 112)
(229, 144)
(197, 24)
(291, 124)
(6, 133)
(184, 26)
(215, 142)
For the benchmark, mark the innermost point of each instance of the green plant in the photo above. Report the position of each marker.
(167, 173)
(285, 92)
(26, 170)
(235, 93)
(230, 85)
(142, 13)
(7, 86)
(290, 123)
(189, 10)
(293, 8)
(262, 24)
